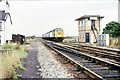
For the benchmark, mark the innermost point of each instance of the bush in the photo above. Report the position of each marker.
(11, 46)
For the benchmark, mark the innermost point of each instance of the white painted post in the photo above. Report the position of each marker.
(91, 38)
(107, 40)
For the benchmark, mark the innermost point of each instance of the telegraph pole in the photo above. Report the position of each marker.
(119, 11)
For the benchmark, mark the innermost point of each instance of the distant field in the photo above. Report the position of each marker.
(70, 40)
(114, 42)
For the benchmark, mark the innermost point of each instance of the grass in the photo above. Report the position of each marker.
(11, 59)
(115, 42)
(70, 40)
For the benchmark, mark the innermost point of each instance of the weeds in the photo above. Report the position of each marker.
(20, 66)
(15, 75)
(11, 60)
(9, 46)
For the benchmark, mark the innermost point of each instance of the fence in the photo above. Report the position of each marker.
(103, 40)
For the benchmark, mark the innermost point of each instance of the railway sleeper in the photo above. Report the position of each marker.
(103, 63)
(96, 50)
(99, 68)
(111, 76)
(66, 60)
(83, 56)
(78, 68)
(92, 66)
(84, 61)
(117, 59)
(92, 76)
(107, 72)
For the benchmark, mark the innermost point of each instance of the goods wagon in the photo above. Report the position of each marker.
(17, 38)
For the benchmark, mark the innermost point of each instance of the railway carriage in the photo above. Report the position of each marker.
(56, 35)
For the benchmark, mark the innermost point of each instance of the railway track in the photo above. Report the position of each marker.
(111, 55)
(95, 67)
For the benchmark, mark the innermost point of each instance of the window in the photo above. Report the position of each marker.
(89, 23)
(0, 39)
(83, 35)
(0, 25)
(80, 23)
(92, 24)
(84, 22)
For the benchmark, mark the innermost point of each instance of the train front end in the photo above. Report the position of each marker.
(59, 35)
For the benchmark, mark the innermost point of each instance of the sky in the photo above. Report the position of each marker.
(40, 16)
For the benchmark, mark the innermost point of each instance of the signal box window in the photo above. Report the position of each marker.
(92, 24)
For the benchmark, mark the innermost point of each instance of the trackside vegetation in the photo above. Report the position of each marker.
(11, 60)
(113, 29)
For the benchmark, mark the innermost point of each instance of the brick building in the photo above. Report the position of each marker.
(89, 28)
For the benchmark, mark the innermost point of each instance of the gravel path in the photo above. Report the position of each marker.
(31, 64)
(50, 67)
(41, 63)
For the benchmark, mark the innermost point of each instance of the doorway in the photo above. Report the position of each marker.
(87, 37)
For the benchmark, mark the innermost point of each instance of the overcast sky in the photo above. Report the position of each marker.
(38, 17)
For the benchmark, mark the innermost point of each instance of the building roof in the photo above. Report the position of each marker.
(88, 16)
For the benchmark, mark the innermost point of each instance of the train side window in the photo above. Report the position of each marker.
(0, 26)
(55, 30)
(0, 39)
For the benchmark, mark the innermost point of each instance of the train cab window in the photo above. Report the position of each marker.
(61, 30)
(56, 30)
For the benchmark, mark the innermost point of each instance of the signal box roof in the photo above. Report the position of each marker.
(88, 16)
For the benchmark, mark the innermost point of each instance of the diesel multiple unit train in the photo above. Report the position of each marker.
(56, 35)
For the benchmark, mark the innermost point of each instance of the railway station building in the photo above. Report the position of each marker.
(89, 28)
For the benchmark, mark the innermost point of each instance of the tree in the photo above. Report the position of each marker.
(33, 36)
(113, 29)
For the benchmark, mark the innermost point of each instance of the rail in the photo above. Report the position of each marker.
(95, 66)
(110, 54)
